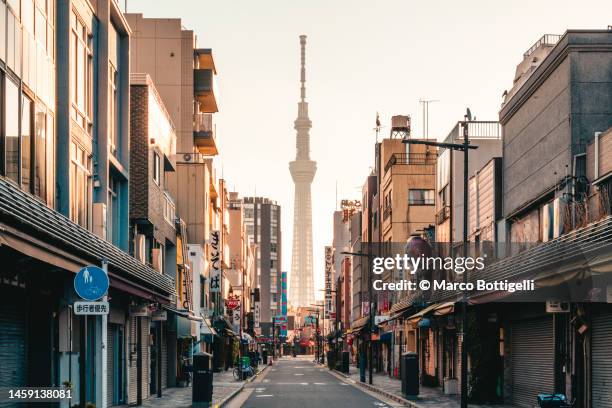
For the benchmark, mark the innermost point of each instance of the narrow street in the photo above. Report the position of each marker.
(298, 382)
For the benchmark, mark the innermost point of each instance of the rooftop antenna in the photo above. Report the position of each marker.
(425, 103)
(378, 126)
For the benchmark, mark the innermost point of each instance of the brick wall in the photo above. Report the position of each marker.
(139, 152)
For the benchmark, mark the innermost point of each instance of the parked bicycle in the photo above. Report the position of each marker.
(555, 401)
(243, 370)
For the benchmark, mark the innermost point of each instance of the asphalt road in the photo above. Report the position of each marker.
(299, 383)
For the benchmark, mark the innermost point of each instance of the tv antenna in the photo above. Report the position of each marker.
(425, 103)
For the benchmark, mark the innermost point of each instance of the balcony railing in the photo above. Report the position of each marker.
(204, 134)
(203, 122)
(387, 212)
(546, 39)
(443, 214)
(476, 130)
(169, 209)
(411, 158)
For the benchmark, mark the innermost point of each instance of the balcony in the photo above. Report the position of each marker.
(387, 212)
(442, 215)
(204, 86)
(411, 158)
(490, 130)
(204, 134)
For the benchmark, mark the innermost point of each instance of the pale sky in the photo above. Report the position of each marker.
(362, 57)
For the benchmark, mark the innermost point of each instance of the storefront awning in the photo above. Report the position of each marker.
(29, 225)
(444, 309)
(418, 316)
(359, 324)
(207, 332)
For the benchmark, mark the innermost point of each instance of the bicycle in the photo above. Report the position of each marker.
(555, 401)
(243, 372)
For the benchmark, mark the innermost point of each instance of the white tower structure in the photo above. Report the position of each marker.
(302, 171)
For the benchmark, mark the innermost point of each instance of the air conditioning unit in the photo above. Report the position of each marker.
(99, 219)
(450, 386)
(157, 259)
(556, 306)
(140, 247)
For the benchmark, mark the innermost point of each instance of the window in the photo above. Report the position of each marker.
(112, 210)
(40, 152)
(11, 131)
(421, 197)
(156, 168)
(79, 185)
(113, 110)
(81, 73)
(443, 196)
(273, 247)
(26, 143)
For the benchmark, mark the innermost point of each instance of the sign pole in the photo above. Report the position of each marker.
(104, 335)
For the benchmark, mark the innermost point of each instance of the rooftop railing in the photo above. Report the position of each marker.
(546, 39)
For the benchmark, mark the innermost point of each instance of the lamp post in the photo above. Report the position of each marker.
(371, 314)
(462, 147)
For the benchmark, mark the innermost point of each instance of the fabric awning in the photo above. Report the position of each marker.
(418, 316)
(444, 309)
(359, 324)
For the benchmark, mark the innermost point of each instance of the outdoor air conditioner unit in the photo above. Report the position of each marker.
(157, 259)
(556, 306)
(450, 386)
(99, 219)
(140, 247)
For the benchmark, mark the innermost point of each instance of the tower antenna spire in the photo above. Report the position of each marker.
(303, 67)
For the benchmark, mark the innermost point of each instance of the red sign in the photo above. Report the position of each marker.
(232, 303)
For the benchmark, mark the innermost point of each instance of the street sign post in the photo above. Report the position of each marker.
(86, 308)
(91, 283)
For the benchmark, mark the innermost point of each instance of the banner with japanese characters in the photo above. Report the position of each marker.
(215, 261)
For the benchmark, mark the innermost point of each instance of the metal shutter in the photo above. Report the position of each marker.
(601, 368)
(110, 363)
(12, 343)
(533, 360)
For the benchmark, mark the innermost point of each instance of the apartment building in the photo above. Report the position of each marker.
(262, 219)
(64, 185)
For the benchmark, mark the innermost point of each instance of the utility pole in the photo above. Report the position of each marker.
(463, 147)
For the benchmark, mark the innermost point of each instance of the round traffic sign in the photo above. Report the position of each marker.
(91, 283)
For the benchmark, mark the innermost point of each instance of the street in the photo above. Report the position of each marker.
(298, 382)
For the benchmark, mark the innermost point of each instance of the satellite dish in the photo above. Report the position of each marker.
(468, 114)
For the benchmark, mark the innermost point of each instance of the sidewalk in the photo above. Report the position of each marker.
(224, 389)
(391, 388)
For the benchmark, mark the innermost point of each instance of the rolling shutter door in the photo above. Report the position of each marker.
(110, 363)
(12, 343)
(601, 340)
(533, 360)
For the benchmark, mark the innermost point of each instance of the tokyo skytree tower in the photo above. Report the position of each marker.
(302, 171)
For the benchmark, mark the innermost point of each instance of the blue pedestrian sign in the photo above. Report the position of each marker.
(91, 283)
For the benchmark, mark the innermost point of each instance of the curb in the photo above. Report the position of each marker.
(372, 388)
(237, 391)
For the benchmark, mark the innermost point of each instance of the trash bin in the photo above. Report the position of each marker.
(362, 367)
(345, 362)
(331, 359)
(410, 375)
(202, 391)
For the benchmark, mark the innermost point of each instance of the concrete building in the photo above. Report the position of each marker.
(487, 136)
(262, 219)
(64, 202)
(190, 95)
(302, 171)
(555, 120)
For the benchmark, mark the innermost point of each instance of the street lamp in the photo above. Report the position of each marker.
(462, 147)
(371, 321)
